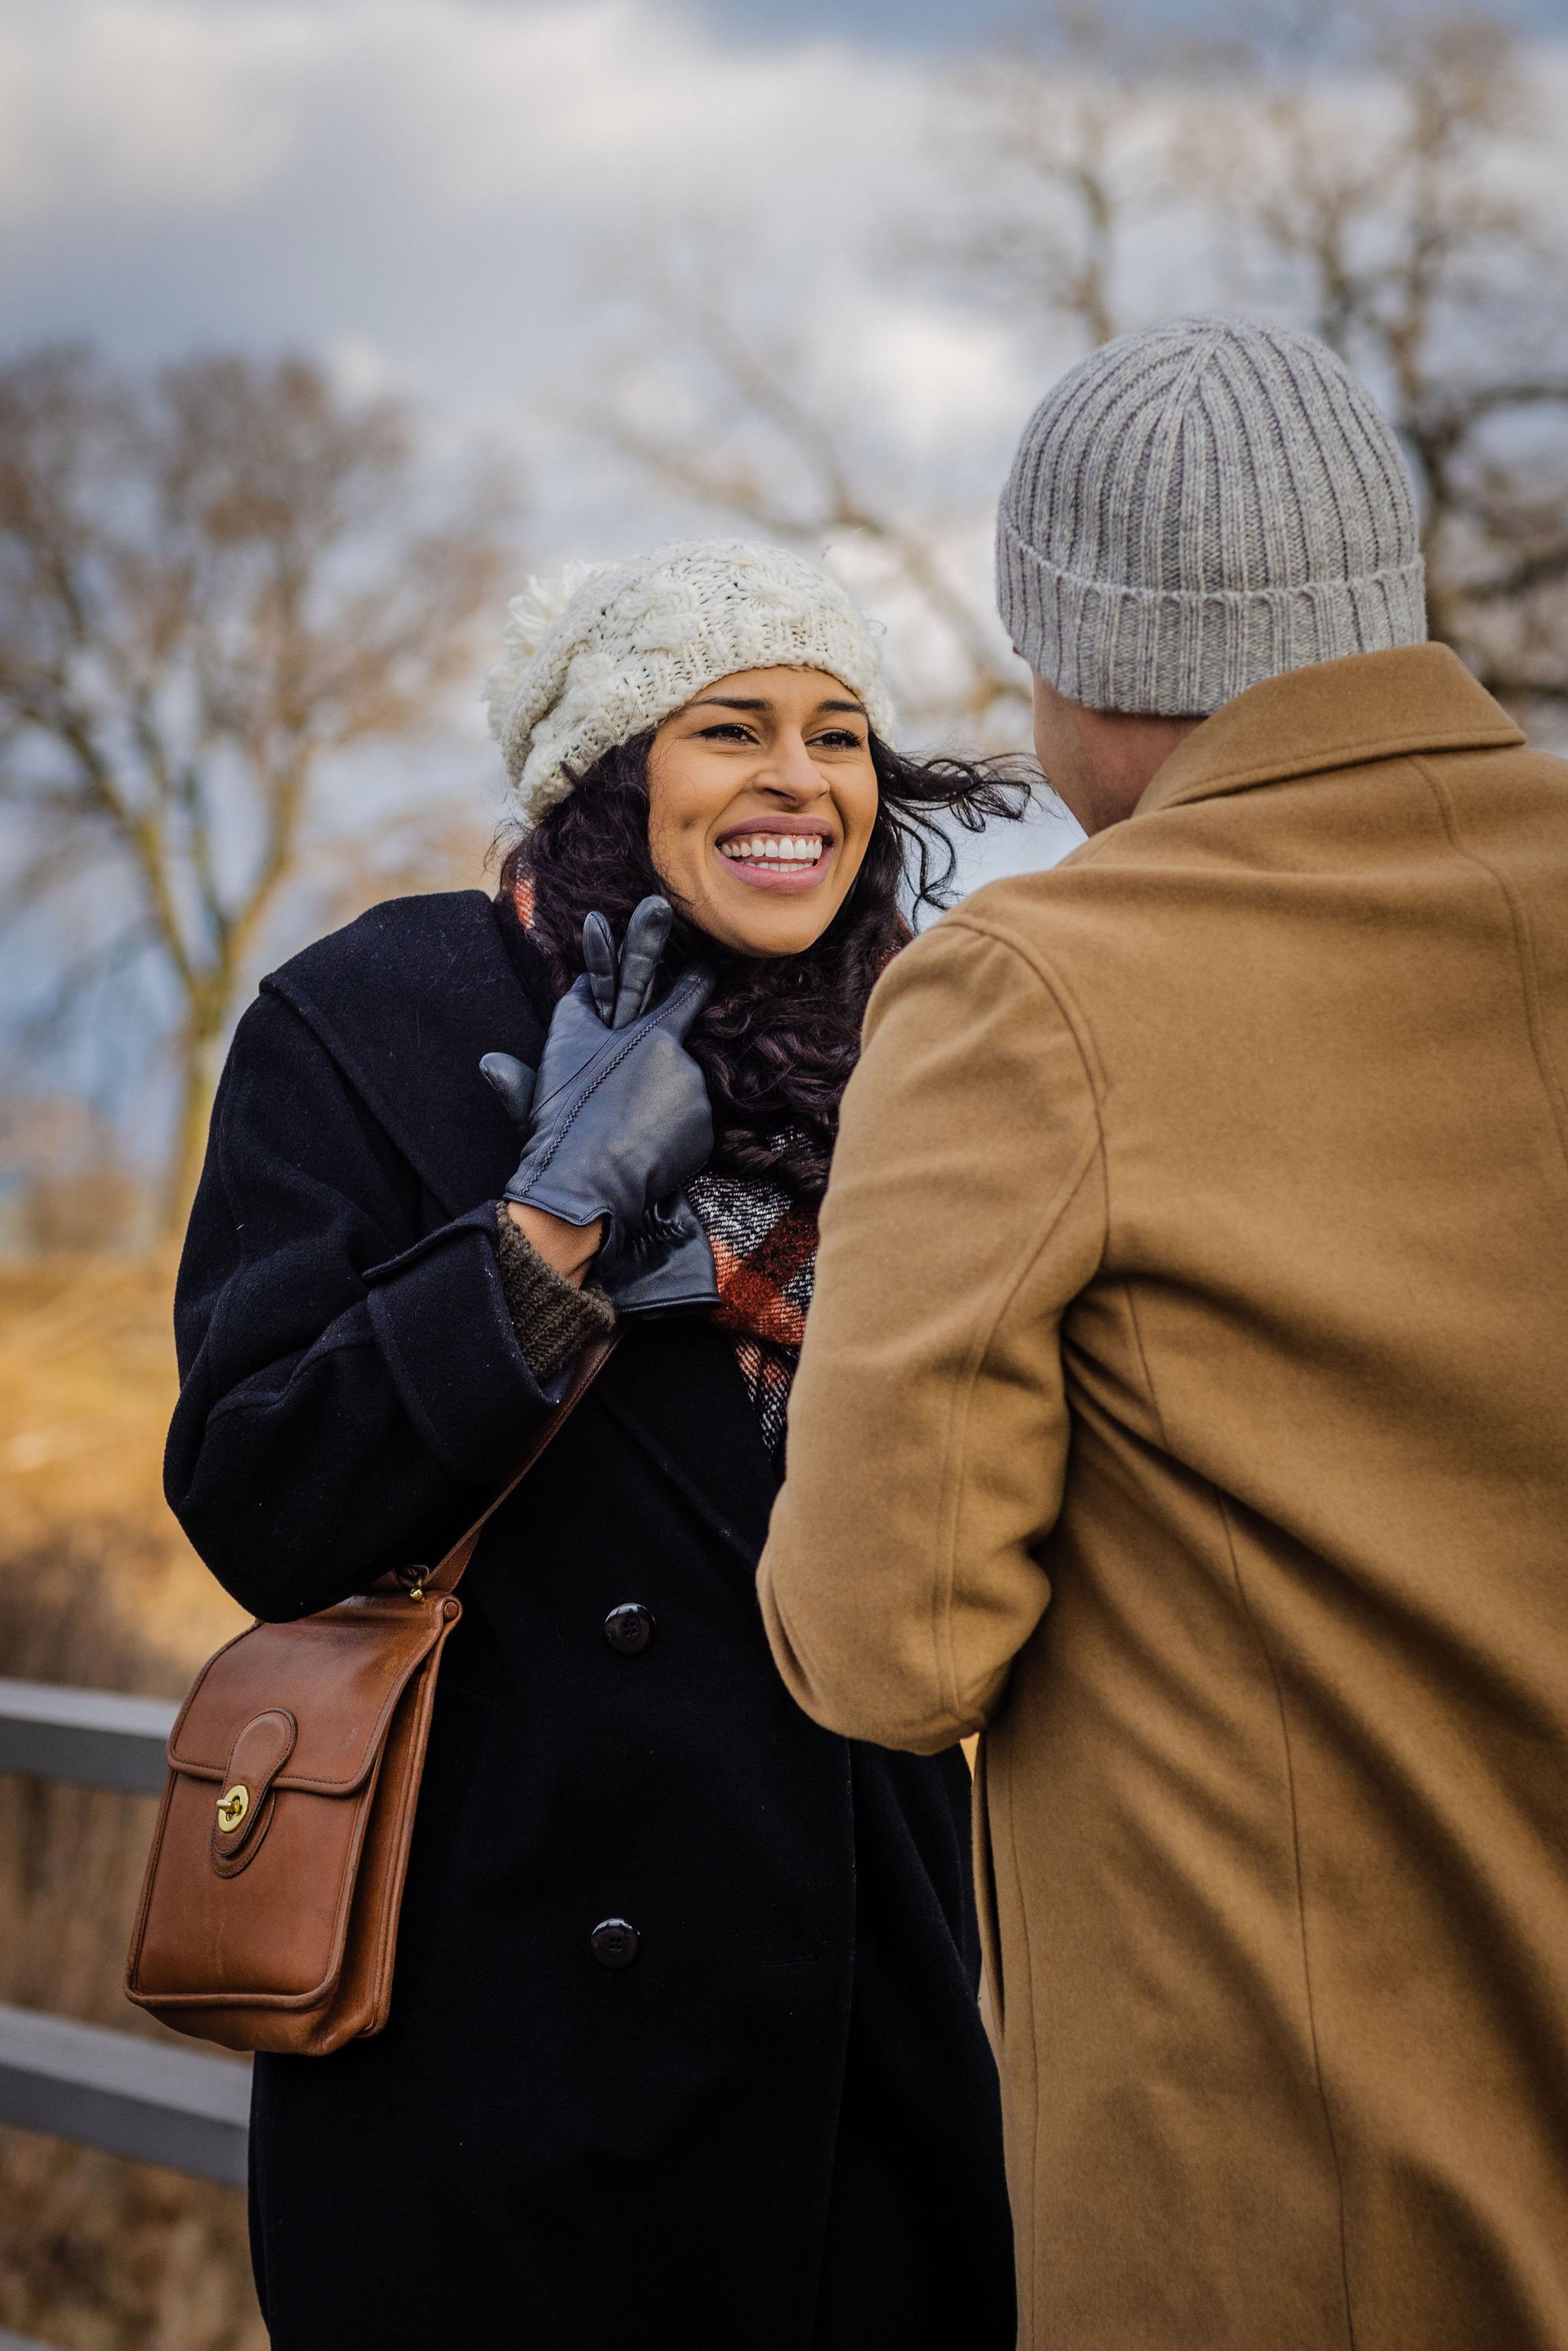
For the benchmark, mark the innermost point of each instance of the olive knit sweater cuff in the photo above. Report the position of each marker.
(554, 1319)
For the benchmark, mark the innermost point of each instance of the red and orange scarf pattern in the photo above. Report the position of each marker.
(765, 1256)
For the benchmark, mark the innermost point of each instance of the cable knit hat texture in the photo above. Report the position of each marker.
(608, 650)
(1201, 505)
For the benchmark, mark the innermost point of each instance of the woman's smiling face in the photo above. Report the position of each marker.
(761, 801)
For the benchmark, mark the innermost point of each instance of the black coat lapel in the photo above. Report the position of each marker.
(675, 1387)
(406, 1000)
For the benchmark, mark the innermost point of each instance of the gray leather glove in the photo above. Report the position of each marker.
(617, 1118)
(666, 1262)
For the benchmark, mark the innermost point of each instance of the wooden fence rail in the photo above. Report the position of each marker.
(159, 2103)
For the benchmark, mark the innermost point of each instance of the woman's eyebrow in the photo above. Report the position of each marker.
(759, 702)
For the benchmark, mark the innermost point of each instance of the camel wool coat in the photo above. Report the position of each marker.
(1186, 1404)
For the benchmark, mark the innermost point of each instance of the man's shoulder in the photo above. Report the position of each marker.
(1170, 875)
(1043, 911)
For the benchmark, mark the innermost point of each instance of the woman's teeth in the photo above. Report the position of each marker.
(776, 848)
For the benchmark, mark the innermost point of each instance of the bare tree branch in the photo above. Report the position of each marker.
(764, 449)
(1060, 143)
(207, 586)
(1359, 160)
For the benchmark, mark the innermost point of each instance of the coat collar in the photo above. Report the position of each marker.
(406, 1000)
(1339, 713)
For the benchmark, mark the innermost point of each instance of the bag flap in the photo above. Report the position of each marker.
(340, 1674)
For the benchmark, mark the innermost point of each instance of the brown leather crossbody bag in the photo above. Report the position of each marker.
(269, 1913)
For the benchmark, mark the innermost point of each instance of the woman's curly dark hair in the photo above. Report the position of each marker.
(781, 1034)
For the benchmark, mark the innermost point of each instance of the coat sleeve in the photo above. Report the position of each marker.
(928, 1425)
(350, 1386)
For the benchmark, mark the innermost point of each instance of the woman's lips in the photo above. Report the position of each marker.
(783, 869)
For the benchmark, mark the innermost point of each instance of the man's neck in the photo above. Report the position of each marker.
(1099, 763)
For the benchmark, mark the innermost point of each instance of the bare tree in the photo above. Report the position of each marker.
(1360, 167)
(1058, 143)
(209, 585)
(1364, 170)
(1378, 169)
(713, 409)
(715, 399)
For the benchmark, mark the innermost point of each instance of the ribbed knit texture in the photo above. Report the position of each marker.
(1201, 505)
(553, 1317)
(765, 1259)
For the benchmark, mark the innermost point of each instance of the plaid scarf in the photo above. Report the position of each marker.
(765, 1254)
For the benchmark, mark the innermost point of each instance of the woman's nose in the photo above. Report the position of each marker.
(791, 768)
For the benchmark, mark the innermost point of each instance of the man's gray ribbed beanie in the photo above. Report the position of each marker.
(1198, 506)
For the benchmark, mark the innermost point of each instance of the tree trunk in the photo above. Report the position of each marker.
(198, 1084)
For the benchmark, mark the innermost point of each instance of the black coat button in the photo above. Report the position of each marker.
(613, 1943)
(630, 1629)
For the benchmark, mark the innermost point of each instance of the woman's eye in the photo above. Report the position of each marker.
(841, 739)
(730, 732)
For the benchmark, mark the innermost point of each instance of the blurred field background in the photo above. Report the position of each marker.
(97, 1587)
(326, 325)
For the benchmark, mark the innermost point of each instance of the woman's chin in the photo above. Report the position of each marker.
(766, 923)
(764, 914)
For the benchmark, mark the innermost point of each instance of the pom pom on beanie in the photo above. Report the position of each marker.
(608, 650)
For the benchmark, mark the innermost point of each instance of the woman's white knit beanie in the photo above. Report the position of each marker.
(608, 650)
(1201, 505)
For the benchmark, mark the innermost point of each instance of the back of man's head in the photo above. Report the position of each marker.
(1201, 505)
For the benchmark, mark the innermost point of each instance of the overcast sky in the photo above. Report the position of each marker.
(424, 192)
(908, 23)
(413, 184)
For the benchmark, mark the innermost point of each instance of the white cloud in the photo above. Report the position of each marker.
(359, 368)
(129, 102)
(432, 180)
(935, 372)
(563, 105)
(424, 192)
(454, 105)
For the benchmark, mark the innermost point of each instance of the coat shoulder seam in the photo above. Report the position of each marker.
(1523, 944)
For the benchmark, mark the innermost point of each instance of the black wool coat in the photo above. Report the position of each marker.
(778, 2126)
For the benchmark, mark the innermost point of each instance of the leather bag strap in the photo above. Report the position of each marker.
(589, 1363)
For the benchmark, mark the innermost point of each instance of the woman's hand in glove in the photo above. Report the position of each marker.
(619, 1117)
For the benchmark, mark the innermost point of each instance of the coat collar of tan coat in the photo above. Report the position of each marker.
(1336, 713)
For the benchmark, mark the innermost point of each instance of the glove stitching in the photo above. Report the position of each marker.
(634, 1037)
(581, 1104)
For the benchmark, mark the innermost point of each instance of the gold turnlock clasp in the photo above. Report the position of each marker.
(233, 1806)
(412, 1581)
(244, 1810)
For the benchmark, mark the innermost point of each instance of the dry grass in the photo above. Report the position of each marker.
(97, 1586)
(87, 1384)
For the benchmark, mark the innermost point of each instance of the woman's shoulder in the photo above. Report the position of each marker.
(404, 1003)
(403, 943)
